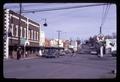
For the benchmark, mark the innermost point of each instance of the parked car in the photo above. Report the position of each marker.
(93, 51)
(50, 53)
(62, 53)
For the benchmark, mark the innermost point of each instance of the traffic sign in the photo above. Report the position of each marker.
(100, 37)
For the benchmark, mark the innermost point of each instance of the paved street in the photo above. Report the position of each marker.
(82, 66)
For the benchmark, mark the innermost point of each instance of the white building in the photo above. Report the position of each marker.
(60, 43)
(54, 43)
(73, 45)
(111, 45)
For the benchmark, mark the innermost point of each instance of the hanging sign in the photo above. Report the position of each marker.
(22, 41)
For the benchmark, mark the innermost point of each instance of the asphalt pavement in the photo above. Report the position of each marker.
(80, 66)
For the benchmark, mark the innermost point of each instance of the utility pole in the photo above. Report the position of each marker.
(101, 44)
(58, 40)
(100, 29)
(58, 37)
(18, 47)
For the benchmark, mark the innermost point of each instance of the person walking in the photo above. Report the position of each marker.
(18, 53)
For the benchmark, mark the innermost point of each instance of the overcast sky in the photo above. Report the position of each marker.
(74, 23)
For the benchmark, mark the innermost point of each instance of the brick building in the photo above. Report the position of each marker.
(29, 32)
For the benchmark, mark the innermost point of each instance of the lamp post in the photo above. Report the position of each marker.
(44, 24)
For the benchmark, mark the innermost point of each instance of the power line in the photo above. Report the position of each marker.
(107, 9)
(26, 5)
(62, 8)
(104, 16)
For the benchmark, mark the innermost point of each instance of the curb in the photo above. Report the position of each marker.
(28, 58)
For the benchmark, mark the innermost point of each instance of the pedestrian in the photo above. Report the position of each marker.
(18, 53)
(26, 54)
(22, 53)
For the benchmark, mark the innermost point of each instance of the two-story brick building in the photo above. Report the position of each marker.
(29, 32)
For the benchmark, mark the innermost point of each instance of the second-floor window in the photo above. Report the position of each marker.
(31, 34)
(24, 32)
(12, 26)
(21, 32)
(29, 31)
(34, 35)
(37, 36)
(16, 30)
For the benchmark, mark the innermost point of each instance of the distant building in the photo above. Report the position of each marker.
(73, 44)
(47, 42)
(54, 43)
(111, 45)
(42, 38)
(66, 44)
(60, 42)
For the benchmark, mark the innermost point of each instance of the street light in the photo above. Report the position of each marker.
(45, 24)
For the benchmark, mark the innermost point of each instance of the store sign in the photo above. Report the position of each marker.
(22, 41)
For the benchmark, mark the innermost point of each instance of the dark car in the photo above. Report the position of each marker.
(50, 53)
(93, 51)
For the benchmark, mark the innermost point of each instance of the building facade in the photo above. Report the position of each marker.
(29, 32)
(42, 38)
(47, 42)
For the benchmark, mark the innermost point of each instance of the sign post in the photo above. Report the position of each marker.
(101, 51)
(100, 39)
